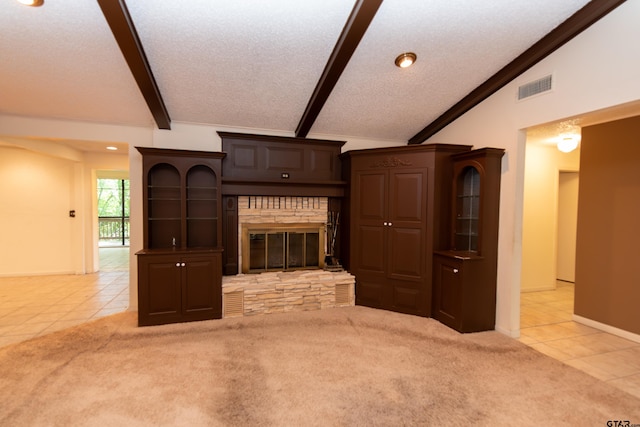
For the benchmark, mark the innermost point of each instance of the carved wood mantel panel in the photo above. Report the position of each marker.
(281, 166)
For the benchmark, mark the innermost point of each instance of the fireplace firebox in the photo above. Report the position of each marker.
(282, 247)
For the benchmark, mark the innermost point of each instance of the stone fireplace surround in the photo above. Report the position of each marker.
(278, 292)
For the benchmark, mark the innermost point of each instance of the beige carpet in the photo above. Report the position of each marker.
(337, 367)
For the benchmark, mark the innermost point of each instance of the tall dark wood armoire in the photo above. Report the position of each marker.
(397, 212)
(180, 267)
(464, 275)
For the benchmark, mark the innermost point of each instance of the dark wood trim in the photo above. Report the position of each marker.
(230, 235)
(574, 25)
(403, 149)
(118, 18)
(361, 16)
(302, 189)
(284, 139)
(169, 152)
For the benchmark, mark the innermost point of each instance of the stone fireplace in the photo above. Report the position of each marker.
(278, 244)
(287, 235)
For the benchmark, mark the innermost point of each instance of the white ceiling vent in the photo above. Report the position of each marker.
(535, 87)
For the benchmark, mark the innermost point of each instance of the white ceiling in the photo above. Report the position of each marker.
(255, 63)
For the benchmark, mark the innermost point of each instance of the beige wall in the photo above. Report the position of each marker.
(35, 228)
(37, 234)
(543, 164)
(607, 267)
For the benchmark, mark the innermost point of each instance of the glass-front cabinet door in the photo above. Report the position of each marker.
(467, 210)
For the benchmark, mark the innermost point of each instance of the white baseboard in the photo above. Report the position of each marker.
(607, 328)
(41, 273)
(509, 333)
(538, 289)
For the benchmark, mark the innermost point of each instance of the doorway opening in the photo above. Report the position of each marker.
(113, 212)
(568, 183)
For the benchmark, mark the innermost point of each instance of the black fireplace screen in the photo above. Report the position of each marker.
(283, 250)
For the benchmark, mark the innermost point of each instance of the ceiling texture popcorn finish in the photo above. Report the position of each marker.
(259, 64)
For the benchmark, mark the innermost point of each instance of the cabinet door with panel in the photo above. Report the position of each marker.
(406, 229)
(389, 220)
(178, 287)
(200, 295)
(447, 278)
(406, 223)
(160, 296)
(370, 258)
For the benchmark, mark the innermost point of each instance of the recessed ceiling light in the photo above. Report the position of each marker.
(406, 59)
(31, 2)
(112, 148)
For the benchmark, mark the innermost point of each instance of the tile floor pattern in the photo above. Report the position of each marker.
(37, 305)
(546, 325)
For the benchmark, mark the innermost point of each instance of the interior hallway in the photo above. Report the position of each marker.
(546, 325)
(37, 305)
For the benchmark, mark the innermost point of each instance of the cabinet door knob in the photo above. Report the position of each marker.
(183, 264)
(455, 270)
(385, 223)
(390, 224)
(177, 264)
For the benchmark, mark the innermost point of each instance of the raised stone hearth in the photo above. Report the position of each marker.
(281, 292)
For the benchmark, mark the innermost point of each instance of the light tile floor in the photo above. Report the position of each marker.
(37, 305)
(546, 325)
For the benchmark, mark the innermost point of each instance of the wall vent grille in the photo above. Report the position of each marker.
(533, 88)
(343, 294)
(233, 304)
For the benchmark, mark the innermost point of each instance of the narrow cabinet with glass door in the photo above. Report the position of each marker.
(464, 272)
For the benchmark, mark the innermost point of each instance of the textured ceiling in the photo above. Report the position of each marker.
(255, 63)
(550, 133)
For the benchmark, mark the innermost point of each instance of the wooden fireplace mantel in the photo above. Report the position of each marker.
(263, 165)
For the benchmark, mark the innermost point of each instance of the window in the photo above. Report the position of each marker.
(113, 212)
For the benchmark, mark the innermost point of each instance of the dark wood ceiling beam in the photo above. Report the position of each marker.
(118, 18)
(361, 16)
(574, 25)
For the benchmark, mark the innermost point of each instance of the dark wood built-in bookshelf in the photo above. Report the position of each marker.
(180, 267)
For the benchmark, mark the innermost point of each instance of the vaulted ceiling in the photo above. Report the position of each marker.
(324, 67)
